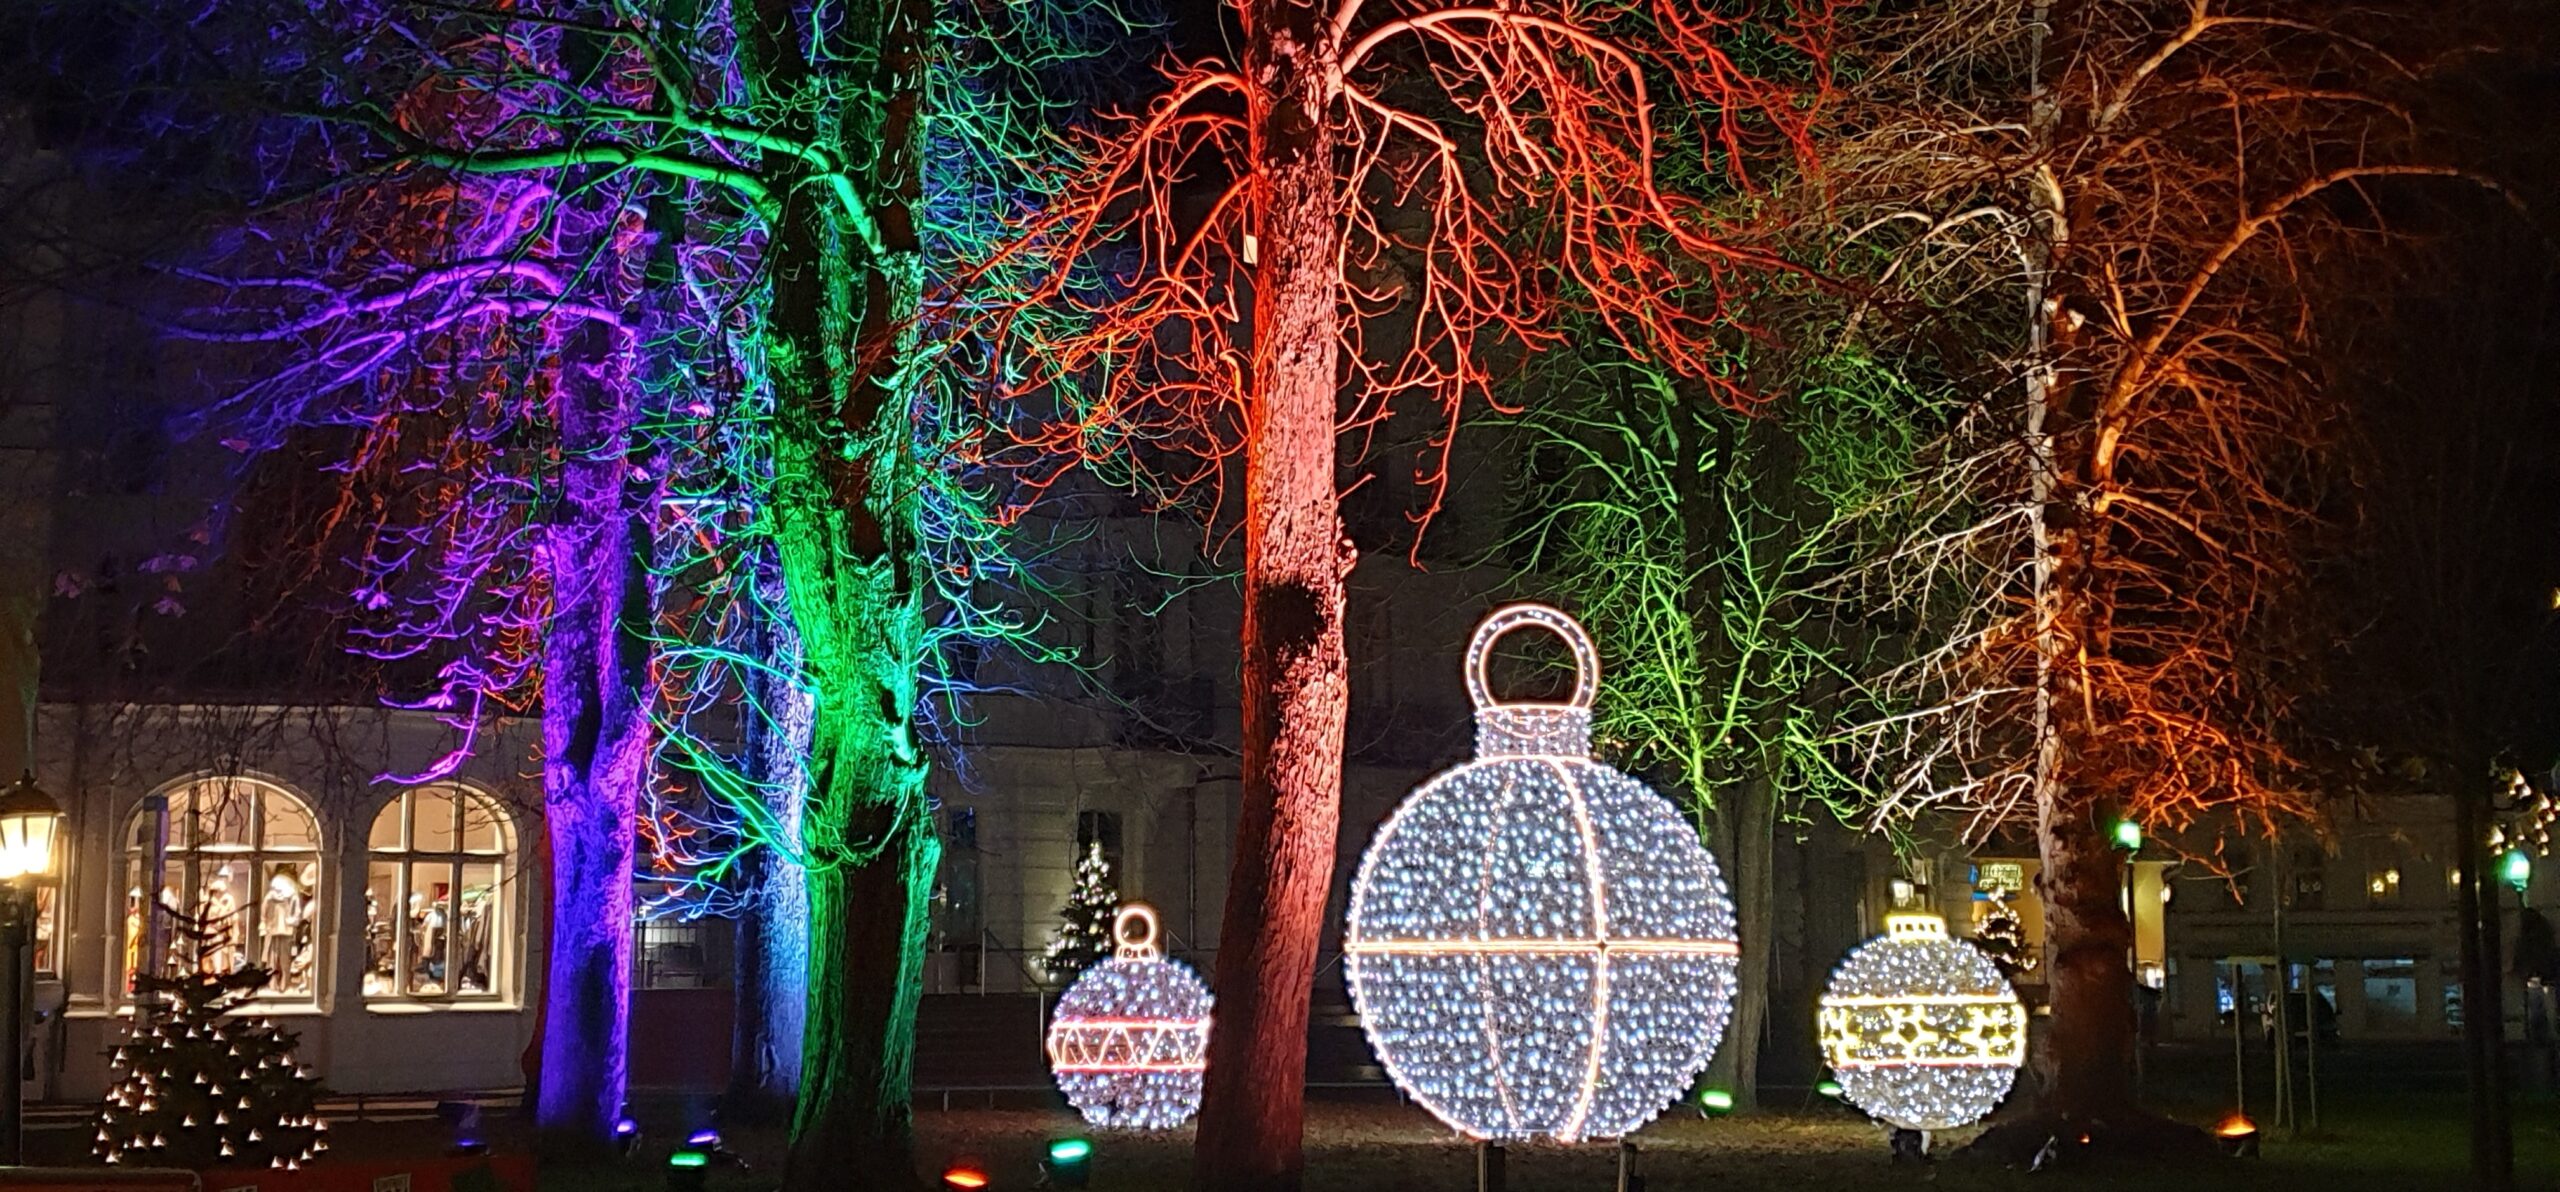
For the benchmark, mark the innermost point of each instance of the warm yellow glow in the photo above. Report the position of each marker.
(1914, 925)
(1952, 1030)
(2236, 1126)
(26, 845)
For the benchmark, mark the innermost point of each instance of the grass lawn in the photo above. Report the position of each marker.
(2367, 1143)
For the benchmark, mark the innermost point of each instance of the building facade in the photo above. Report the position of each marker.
(402, 922)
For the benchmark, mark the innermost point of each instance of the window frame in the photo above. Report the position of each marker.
(407, 860)
(188, 855)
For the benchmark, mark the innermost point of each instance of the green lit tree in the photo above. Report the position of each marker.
(1084, 939)
(198, 1086)
(1691, 538)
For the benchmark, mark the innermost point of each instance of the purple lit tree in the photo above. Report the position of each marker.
(612, 317)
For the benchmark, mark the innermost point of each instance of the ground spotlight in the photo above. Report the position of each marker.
(688, 1171)
(2238, 1136)
(1715, 1102)
(964, 1176)
(1069, 1162)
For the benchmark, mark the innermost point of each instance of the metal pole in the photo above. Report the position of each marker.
(1628, 1180)
(15, 909)
(2239, 1045)
(2311, 1041)
(1489, 1175)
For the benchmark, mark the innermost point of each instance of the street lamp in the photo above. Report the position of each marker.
(28, 819)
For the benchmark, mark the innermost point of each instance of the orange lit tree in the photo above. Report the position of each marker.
(1383, 201)
(2111, 201)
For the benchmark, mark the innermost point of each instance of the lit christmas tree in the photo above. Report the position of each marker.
(1085, 938)
(198, 1087)
(2003, 937)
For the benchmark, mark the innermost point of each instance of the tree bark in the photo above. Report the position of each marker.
(1295, 687)
(773, 930)
(847, 285)
(595, 749)
(1750, 870)
(2089, 1053)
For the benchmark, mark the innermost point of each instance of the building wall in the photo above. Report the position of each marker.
(100, 762)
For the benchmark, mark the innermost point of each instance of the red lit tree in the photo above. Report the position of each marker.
(1381, 201)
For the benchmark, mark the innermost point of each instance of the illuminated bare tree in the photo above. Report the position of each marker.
(1393, 199)
(2115, 198)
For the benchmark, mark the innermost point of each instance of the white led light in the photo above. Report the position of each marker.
(1921, 1030)
(1539, 945)
(1128, 1039)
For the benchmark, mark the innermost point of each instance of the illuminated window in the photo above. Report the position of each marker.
(2382, 886)
(241, 884)
(439, 881)
(676, 954)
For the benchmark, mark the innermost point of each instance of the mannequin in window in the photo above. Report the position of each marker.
(220, 914)
(426, 944)
(471, 942)
(132, 935)
(377, 945)
(175, 961)
(279, 930)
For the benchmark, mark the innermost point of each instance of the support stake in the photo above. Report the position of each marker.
(1489, 1157)
(1629, 1179)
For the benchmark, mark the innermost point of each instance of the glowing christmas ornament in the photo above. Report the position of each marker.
(1129, 1039)
(1539, 946)
(1922, 1030)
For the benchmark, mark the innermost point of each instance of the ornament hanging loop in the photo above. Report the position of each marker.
(1135, 932)
(1586, 657)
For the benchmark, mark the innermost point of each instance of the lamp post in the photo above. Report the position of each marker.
(28, 818)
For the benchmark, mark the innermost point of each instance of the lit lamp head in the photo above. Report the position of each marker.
(2516, 869)
(28, 819)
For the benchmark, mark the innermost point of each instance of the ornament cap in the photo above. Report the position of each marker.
(1135, 932)
(1915, 925)
(1533, 729)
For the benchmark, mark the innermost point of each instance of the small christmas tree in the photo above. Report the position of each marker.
(198, 1087)
(2000, 935)
(1085, 938)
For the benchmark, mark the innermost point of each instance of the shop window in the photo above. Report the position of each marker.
(439, 880)
(2391, 994)
(240, 887)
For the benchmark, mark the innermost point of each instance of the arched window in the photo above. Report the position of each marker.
(243, 878)
(436, 895)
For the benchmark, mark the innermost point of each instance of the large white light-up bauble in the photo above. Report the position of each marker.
(1539, 945)
(1921, 1030)
(1128, 1040)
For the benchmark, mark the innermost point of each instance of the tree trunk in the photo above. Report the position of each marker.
(1295, 688)
(595, 748)
(840, 348)
(2089, 1055)
(1750, 869)
(773, 930)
